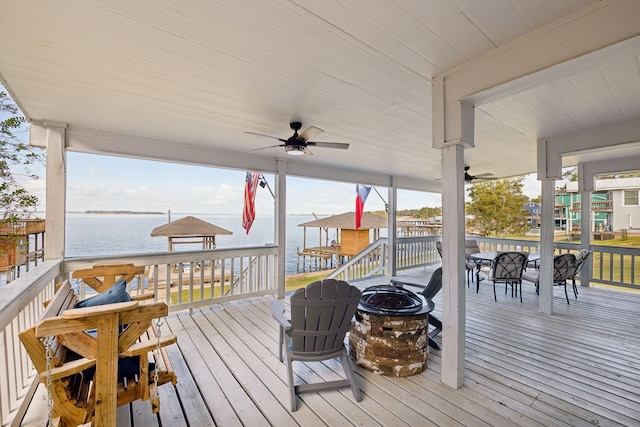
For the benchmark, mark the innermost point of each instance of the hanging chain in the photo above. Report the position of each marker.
(157, 357)
(49, 356)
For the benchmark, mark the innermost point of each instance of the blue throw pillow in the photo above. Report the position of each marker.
(117, 293)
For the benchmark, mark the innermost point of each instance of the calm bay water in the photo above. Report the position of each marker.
(116, 234)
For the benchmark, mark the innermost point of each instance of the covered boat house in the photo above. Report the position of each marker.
(338, 239)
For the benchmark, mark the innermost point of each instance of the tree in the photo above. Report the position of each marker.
(497, 207)
(15, 200)
(428, 212)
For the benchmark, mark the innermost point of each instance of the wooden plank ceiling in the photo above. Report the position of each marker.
(202, 73)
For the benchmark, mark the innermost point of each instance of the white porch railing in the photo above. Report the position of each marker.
(610, 265)
(21, 304)
(195, 278)
(411, 252)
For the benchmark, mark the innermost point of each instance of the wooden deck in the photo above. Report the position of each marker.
(577, 367)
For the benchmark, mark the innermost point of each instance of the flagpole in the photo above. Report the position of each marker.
(386, 205)
(266, 183)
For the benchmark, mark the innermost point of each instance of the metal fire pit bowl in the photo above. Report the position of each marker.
(393, 301)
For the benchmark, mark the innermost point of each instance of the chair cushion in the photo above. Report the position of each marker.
(531, 276)
(117, 293)
(127, 366)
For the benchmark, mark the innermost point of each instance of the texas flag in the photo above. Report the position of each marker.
(362, 192)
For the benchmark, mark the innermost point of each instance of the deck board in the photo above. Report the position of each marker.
(577, 367)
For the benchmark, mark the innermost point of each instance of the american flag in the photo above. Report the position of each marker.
(249, 211)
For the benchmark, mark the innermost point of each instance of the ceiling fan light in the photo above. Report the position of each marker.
(295, 150)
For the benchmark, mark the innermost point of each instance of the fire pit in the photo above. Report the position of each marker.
(390, 334)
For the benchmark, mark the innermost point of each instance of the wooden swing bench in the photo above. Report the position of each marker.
(91, 374)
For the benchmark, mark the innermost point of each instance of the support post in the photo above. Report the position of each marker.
(53, 138)
(585, 234)
(453, 286)
(546, 246)
(281, 226)
(392, 227)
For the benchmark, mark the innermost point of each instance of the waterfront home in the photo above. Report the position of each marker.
(615, 206)
(418, 90)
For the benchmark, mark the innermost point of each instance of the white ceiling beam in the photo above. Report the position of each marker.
(594, 139)
(551, 150)
(589, 170)
(104, 143)
(519, 64)
(98, 142)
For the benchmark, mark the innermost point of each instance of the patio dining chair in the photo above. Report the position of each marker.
(469, 264)
(433, 287)
(508, 267)
(321, 316)
(581, 260)
(471, 247)
(429, 291)
(564, 268)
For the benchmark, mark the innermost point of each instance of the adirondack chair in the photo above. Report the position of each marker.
(321, 316)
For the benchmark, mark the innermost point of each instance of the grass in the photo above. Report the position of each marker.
(632, 241)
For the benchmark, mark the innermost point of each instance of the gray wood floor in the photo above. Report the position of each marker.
(577, 367)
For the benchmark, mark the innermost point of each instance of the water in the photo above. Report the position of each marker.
(116, 234)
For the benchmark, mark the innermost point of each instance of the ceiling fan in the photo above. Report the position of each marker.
(479, 177)
(298, 144)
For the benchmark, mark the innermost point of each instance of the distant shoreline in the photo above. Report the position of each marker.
(124, 212)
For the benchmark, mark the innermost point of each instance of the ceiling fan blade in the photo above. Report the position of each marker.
(338, 145)
(268, 146)
(311, 132)
(307, 153)
(268, 136)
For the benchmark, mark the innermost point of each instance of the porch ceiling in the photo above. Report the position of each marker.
(203, 73)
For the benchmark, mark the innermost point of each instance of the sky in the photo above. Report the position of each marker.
(97, 182)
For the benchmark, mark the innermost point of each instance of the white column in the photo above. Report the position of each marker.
(586, 184)
(585, 234)
(281, 226)
(546, 246)
(53, 137)
(392, 227)
(453, 285)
